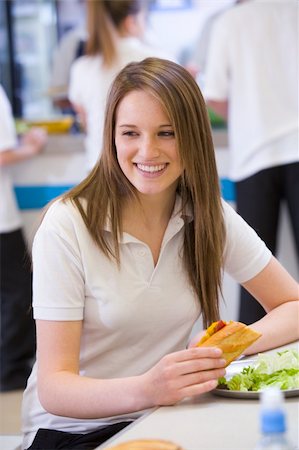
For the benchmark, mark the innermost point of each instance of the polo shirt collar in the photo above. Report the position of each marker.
(176, 222)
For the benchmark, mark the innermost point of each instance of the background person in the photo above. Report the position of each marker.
(196, 54)
(115, 32)
(71, 47)
(17, 342)
(253, 82)
(143, 238)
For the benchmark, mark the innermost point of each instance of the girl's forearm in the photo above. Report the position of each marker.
(279, 327)
(72, 395)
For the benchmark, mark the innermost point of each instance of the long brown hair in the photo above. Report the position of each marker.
(104, 17)
(106, 185)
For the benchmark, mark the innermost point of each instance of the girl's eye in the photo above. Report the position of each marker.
(129, 133)
(169, 133)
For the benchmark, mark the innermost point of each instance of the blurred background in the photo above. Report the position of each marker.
(30, 31)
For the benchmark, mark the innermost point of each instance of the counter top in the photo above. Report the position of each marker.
(207, 422)
(64, 143)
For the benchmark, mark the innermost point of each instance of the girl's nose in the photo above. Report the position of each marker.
(149, 148)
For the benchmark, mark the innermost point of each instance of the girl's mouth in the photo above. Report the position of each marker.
(151, 168)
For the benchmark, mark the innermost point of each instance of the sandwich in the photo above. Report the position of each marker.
(147, 444)
(231, 337)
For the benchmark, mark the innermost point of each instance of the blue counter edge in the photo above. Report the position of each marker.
(36, 197)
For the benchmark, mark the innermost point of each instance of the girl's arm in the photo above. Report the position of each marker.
(278, 293)
(63, 391)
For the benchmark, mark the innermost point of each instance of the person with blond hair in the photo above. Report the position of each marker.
(116, 32)
(126, 263)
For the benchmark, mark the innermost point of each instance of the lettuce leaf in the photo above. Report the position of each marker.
(280, 369)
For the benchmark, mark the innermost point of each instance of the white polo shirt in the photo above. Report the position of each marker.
(253, 62)
(10, 218)
(90, 81)
(131, 317)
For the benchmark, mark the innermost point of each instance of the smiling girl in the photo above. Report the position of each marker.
(126, 263)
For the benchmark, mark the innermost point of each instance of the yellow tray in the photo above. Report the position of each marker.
(53, 126)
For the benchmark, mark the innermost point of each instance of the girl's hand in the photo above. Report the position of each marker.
(183, 374)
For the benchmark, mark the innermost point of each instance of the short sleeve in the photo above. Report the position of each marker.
(58, 278)
(245, 254)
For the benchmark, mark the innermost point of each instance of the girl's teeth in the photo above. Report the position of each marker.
(150, 169)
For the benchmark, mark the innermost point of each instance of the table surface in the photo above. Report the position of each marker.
(208, 422)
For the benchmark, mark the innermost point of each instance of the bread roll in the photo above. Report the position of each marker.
(146, 444)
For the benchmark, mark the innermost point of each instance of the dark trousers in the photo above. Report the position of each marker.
(52, 439)
(259, 199)
(17, 342)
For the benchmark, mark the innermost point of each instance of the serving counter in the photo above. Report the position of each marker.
(208, 422)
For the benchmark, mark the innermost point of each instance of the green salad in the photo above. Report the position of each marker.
(280, 369)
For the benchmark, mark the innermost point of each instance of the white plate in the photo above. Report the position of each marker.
(236, 367)
(250, 394)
